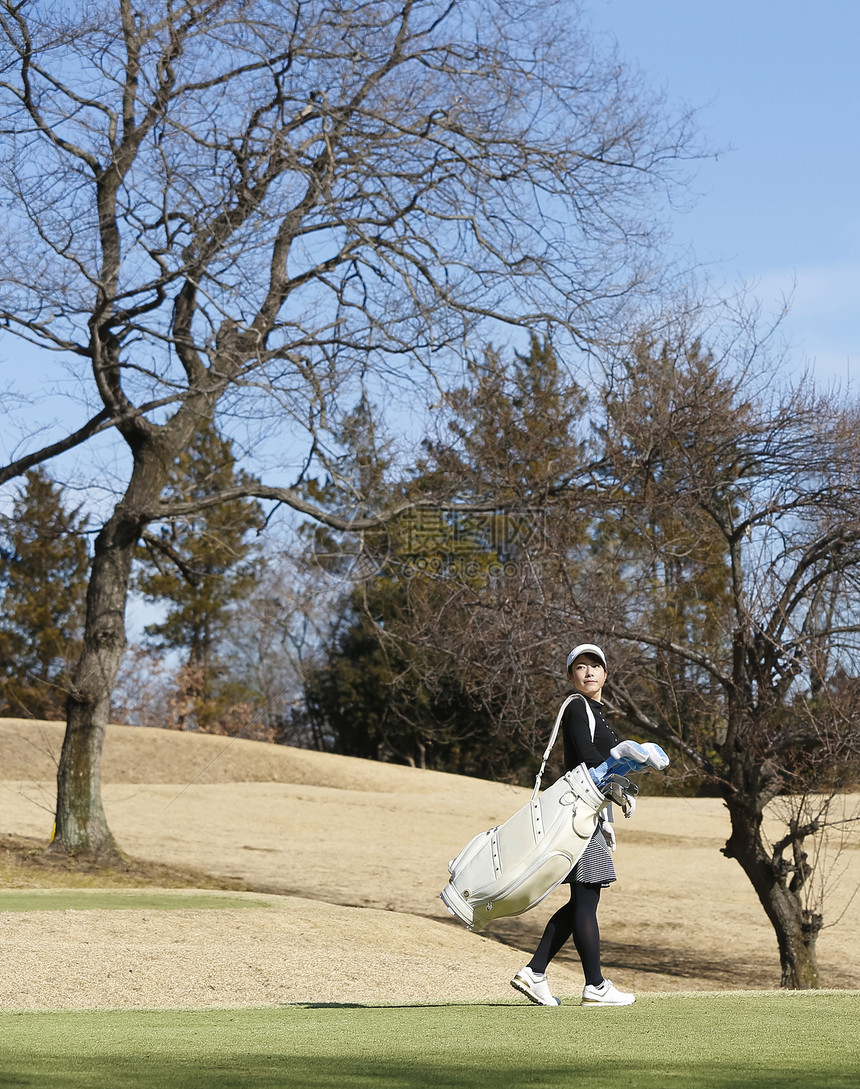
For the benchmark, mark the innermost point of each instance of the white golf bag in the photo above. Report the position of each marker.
(510, 868)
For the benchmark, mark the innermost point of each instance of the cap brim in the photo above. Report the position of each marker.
(586, 648)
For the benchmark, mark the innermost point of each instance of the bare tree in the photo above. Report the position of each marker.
(234, 210)
(750, 495)
(708, 535)
(277, 639)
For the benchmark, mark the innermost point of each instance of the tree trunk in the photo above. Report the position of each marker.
(81, 826)
(796, 929)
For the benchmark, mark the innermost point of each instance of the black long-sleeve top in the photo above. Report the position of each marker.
(578, 746)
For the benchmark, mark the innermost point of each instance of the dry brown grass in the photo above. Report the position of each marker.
(353, 855)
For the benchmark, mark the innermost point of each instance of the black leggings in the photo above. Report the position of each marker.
(577, 918)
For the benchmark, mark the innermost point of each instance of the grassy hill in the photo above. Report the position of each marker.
(344, 860)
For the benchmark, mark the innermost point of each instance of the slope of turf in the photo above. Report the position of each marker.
(124, 900)
(710, 1041)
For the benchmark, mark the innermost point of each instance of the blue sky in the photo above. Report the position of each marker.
(779, 89)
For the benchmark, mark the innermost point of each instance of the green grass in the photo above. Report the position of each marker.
(701, 1041)
(123, 900)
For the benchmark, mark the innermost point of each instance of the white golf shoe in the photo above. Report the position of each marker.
(607, 994)
(534, 987)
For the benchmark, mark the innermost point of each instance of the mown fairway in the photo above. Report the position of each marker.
(725, 1041)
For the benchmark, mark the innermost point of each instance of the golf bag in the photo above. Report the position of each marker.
(510, 868)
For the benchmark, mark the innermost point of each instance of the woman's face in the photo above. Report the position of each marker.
(588, 676)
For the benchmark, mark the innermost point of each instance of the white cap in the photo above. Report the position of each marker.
(586, 648)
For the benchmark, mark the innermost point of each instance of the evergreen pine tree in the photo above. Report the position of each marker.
(201, 567)
(43, 580)
(439, 655)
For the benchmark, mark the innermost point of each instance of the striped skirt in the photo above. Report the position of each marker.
(596, 866)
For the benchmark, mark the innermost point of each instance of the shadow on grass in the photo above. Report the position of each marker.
(446, 1005)
(723, 970)
(293, 1072)
(26, 862)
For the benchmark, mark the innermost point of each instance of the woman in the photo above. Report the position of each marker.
(586, 669)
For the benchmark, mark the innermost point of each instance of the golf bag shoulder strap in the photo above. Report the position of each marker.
(554, 735)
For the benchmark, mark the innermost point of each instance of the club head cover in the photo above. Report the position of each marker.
(656, 757)
(630, 750)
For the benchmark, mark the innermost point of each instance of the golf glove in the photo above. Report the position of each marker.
(609, 835)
